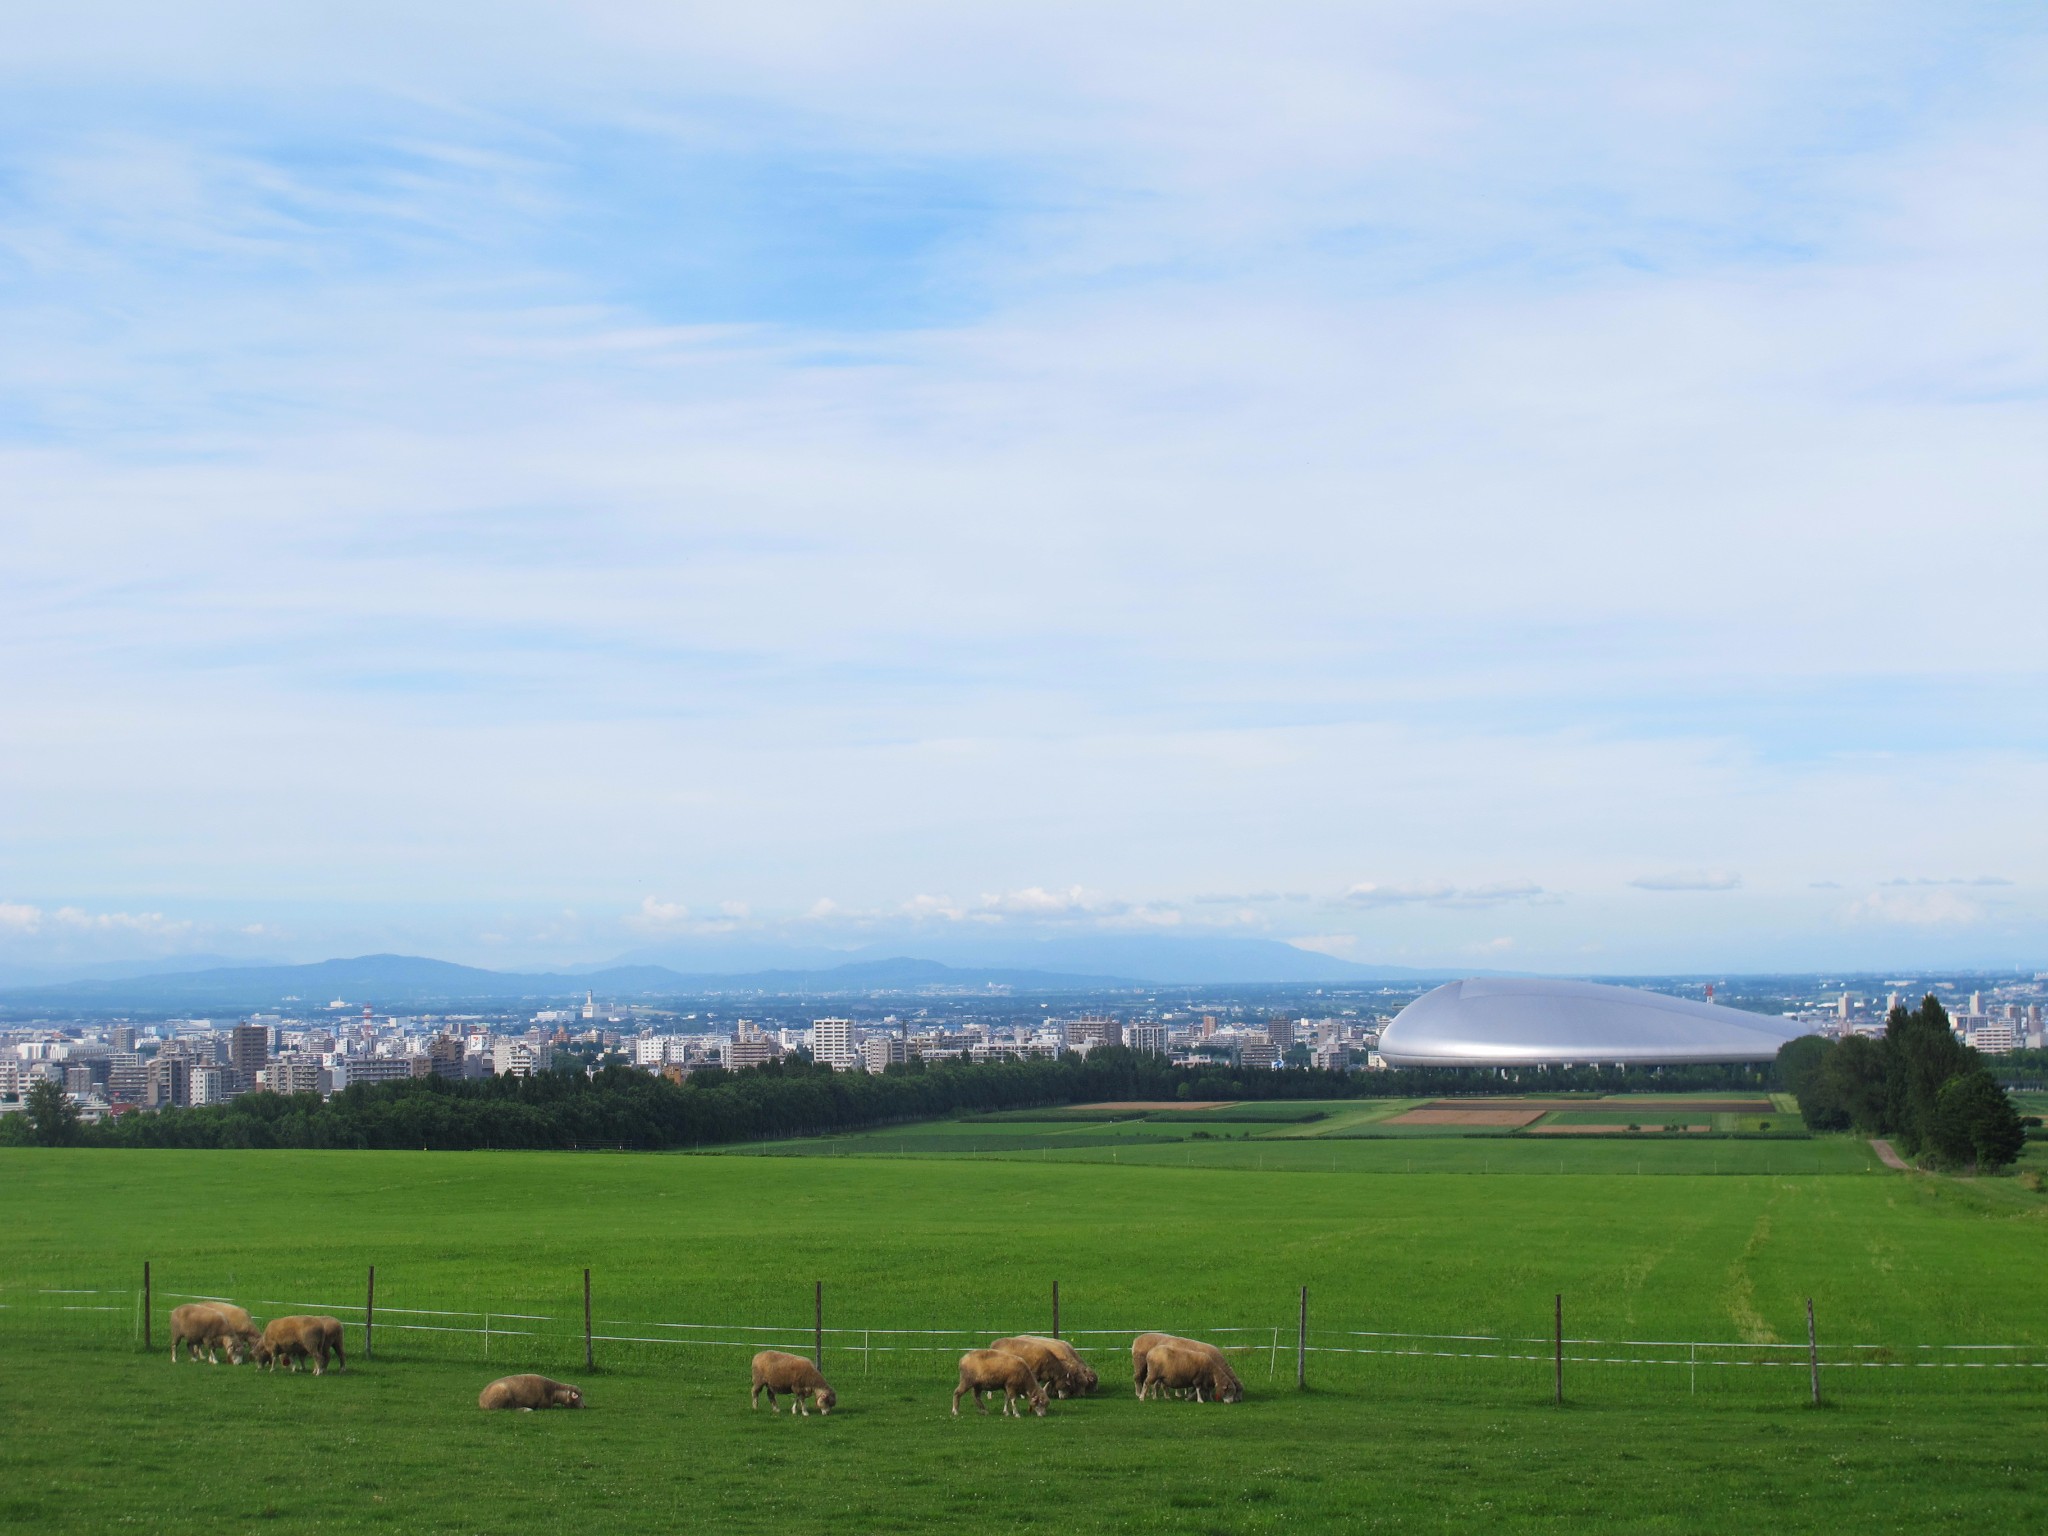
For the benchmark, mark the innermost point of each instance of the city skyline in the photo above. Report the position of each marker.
(1514, 491)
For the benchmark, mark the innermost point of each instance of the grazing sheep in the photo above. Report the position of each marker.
(293, 1339)
(1176, 1368)
(990, 1370)
(527, 1393)
(203, 1325)
(1083, 1374)
(1048, 1365)
(1145, 1343)
(776, 1372)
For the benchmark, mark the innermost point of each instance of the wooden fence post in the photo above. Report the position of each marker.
(589, 1362)
(1812, 1352)
(818, 1326)
(1558, 1335)
(369, 1310)
(1301, 1347)
(146, 1344)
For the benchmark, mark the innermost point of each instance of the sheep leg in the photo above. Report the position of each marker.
(956, 1401)
(754, 1399)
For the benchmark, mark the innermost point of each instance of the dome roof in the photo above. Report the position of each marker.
(1536, 1022)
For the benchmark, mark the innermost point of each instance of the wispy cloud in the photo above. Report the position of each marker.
(1370, 894)
(1689, 880)
(1938, 907)
(821, 462)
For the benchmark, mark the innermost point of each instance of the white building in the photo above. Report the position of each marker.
(522, 1058)
(292, 1074)
(350, 1070)
(1149, 1038)
(832, 1044)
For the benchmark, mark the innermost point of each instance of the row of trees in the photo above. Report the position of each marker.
(622, 1106)
(1918, 1085)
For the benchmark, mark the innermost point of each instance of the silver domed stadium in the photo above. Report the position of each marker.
(1538, 1022)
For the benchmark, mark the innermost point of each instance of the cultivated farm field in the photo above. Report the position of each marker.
(1430, 1375)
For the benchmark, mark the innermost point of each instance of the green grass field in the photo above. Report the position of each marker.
(95, 1435)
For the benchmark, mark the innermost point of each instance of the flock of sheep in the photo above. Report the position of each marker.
(211, 1325)
(1026, 1368)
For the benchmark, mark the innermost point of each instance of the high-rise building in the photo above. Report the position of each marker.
(292, 1074)
(1149, 1038)
(167, 1081)
(879, 1052)
(1280, 1030)
(522, 1058)
(444, 1057)
(125, 1078)
(1256, 1051)
(832, 1044)
(123, 1037)
(1095, 1029)
(248, 1053)
(755, 1052)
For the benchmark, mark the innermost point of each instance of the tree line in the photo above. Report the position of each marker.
(618, 1105)
(1916, 1084)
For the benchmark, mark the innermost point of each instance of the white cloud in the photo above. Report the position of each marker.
(18, 917)
(1938, 907)
(1370, 894)
(1689, 880)
(1337, 945)
(1980, 880)
(501, 488)
(658, 916)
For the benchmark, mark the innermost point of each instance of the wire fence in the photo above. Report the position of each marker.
(572, 1331)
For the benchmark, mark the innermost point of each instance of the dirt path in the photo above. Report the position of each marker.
(1889, 1158)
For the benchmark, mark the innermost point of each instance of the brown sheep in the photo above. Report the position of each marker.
(1048, 1364)
(527, 1393)
(293, 1339)
(1176, 1368)
(776, 1372)
(1083, 1373)
(203, 1325)
(989, 1370)
(1145, 1343)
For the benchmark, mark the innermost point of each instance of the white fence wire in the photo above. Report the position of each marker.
(563, 1332)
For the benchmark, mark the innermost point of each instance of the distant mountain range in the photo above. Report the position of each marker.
(1083, 965)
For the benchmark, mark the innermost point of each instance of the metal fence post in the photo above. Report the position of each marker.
(818, 1326)
(1055, 1309)
(1301, 1347)
(1812, 1352)
(369, 1310)
(146, 1344)
(1558, 1335)
(589, 1362)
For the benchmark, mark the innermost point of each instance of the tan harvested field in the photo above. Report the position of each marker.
(1476, 1117)
(1606, 1130)
(1163, 1104)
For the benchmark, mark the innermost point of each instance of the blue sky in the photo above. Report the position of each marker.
(1527, 486)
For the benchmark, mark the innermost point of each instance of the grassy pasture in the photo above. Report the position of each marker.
(95, 1435)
